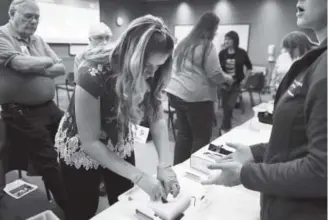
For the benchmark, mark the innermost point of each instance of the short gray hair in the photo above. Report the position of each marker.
(16, 4)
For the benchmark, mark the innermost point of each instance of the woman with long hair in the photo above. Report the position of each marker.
(192, 89)
(116, 88)
(294, 45)
(233, 59)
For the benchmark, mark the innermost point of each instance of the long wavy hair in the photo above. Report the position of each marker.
(202, 33)
(128, 57)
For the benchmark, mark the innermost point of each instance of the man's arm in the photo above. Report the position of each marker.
(258, 151)
(58, 69)
(55, 70)
(10, 57)
(304, 177)
(30, 65)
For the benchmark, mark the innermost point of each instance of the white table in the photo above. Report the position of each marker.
(232, 199)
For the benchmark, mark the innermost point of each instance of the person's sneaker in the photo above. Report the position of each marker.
(102, 190)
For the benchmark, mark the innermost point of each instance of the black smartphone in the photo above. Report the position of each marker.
(225, 151)
(219, 149)
(214, 148)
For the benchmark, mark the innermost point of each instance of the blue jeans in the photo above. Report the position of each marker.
(194, 125)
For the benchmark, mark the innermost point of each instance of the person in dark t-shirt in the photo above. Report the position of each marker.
(232, 59)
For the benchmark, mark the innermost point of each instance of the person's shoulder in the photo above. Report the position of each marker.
(4, 30)
(88, 67)
(78, 57)
(241, 50)
(38, 39)
(93, 69)
(223, 51)
(320, 68)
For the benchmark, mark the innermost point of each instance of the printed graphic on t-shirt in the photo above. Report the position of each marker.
(293, 90)
(230, 66)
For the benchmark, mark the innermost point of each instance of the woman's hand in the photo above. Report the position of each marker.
(230, 166)
(229, 175)
(152, 187)
(228, 79)
(242, 155)
(168, 178)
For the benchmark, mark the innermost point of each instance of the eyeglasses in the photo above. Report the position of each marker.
(101, 37)
(31, 17)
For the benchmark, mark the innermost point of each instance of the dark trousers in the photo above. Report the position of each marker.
(2, 145)
(2, 180)
(30, 143)
(229, 98)
(194, 125)
(82, 187)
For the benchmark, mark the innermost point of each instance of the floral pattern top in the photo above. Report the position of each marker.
(98, 81)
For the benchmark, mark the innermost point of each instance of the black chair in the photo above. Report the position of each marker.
(68, 86)
(255, 83)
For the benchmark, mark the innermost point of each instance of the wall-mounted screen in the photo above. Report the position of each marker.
(181, 31)
(67, 21)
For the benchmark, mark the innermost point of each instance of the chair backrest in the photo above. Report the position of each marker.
(70, 79)
(255, 82)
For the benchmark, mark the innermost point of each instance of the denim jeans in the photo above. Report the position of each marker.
(229, 98)
(194, 125)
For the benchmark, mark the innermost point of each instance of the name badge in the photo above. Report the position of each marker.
(140, 133)
(25, 50)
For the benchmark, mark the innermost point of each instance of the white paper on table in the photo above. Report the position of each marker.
(19, 188)
(225, 203)
(171, 209)
(165, 210)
